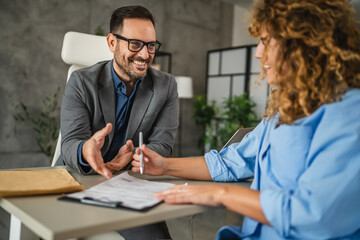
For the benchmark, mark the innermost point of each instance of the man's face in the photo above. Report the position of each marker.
(131, 66)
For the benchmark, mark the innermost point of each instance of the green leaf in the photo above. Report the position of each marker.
(237, 112)
(45, 125)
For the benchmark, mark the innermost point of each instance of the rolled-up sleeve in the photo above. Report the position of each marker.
(235, 162)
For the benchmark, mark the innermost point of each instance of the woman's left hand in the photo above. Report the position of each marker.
(200, 194)
(236, 198)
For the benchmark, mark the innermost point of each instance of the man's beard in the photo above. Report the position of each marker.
(127, 68)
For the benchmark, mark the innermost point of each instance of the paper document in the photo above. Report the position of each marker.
(127, 191)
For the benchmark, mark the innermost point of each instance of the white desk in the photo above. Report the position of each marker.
(50, 219)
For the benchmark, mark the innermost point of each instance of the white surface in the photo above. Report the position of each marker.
(233, 61)
(218, 89)
(184, 86)
(238, 87)
(84, 49)
(15, 228)
(141, 142)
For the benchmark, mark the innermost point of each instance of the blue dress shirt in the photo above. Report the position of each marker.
(308, 174)
(123, 104)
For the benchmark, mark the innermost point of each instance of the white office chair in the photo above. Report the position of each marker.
(81, 50)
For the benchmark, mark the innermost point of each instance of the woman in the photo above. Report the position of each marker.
(305, 154)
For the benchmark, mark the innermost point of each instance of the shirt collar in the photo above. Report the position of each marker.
(118, 83)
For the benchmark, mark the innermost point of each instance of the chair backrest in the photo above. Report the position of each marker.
(81, 50)
(238, 136)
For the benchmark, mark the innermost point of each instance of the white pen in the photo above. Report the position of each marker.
(141, 153)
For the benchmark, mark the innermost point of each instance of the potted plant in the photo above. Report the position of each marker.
(221, 123)
(45, 123)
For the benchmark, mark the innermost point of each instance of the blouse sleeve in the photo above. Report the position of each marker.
(236, 162)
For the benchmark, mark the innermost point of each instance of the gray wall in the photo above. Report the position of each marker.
(31, 68)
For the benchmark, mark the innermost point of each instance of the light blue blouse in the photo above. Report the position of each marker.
(308, 174)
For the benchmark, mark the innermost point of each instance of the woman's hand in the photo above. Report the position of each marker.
(154, 163)
(209, 195)
(236, 198)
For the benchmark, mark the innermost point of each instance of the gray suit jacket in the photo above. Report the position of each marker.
(89, 103)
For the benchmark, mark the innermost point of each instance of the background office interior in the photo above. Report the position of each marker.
(31, 67)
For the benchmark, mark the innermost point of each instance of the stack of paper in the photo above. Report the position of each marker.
(35, 182)
(121, 191)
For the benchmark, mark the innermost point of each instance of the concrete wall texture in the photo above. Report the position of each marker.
(31, 68)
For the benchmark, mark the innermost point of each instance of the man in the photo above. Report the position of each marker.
(112, 101)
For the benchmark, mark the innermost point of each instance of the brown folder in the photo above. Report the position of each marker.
(36, 182)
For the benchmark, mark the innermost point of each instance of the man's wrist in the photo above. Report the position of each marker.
(81, 159)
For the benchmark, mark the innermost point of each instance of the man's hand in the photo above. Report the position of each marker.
(123, 157)
(91, 151)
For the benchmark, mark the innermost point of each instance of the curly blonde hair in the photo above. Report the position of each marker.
(319, 54)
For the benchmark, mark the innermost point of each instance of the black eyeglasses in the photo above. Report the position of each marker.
(135, 45)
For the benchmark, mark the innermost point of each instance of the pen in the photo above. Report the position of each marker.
(141, 152)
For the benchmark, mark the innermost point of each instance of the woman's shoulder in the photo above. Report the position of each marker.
(348, 104)
(343, 113)
(352, 94)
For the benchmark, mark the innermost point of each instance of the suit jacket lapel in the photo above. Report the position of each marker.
(107, 97)
(142, 99)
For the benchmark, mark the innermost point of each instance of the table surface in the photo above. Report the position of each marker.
(50, 218)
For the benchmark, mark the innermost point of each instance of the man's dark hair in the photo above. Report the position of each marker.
(118, 16)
